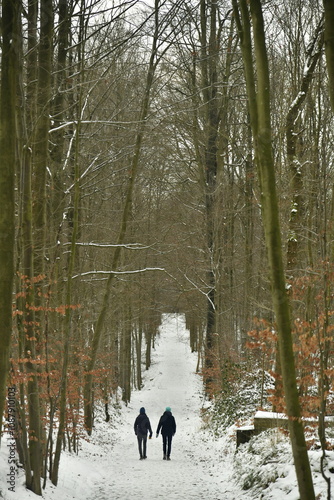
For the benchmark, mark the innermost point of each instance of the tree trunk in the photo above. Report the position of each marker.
(35, 459)
(24, 241)
(41, 139)
(148, 339)
(139, 338)
(329, 45)
(10, 40)
(329, 51)
(35, 213)
(261, 127)
(33, 467)
(58, 112)
(68, 311)
(125, 354)
(209, 53)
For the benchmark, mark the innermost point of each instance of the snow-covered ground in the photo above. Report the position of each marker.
(201, 467)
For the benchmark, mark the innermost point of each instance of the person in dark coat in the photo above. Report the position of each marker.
(142, 427)
(167, 425)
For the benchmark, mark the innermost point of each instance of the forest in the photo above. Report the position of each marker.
(155, 157)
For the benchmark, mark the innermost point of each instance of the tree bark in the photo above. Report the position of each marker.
(68, 311)
(329, 51)
(41, 139)
(10, 39)
(58, 112)
(329, 45)
(25, 323)
(209, 53)
(125, 354)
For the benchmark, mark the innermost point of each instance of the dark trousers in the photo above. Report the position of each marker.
(142, 441)
(167, 444)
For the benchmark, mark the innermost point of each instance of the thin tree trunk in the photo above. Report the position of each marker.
(41, 140)
(68, 312)
(329, 45)
(148, 339)
(24, 241)
(58, 111)
(36, 214)
(139, 338)
(125, 354)
(249, 236)
(33, 467)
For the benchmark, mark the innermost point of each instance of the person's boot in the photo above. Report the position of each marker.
(164, 458)
(168, 458)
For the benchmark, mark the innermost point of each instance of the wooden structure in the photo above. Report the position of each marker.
(264, 420)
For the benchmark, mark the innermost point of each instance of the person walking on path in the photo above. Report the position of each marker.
(142, 426)
(167, 425)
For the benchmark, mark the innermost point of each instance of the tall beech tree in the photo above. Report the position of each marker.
(36, 240)
(29, 450)
(58, 110)
(209, 59)
(258, 92)
(41, 137)
(329, 45)
(11, 41)
(67, 324)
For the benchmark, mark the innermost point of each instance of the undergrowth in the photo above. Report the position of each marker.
(268, 457)
(238, 401)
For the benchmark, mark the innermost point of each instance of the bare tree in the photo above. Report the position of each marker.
(329, 45)
(11, 39)
(259, 107)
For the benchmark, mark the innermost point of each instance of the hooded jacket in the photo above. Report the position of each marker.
(167, 424)
(142, 425)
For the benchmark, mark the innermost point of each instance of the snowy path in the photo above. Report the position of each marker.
(108, 467)
(193, 471)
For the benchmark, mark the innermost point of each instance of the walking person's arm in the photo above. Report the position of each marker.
(159, 427)
(149, 428)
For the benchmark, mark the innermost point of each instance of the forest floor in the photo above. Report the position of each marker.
(202, 466)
